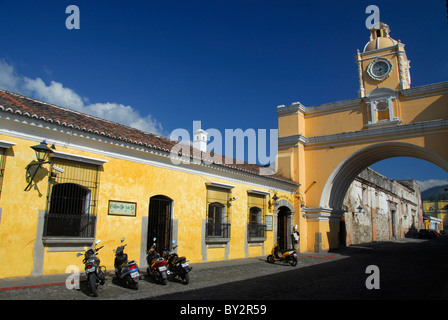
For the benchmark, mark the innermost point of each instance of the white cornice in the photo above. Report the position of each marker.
(260, 192)
(75, 157)
(372, 134)
(337, 106)
(426, 90)
(219, 185)
(37, 130)
(6, 144)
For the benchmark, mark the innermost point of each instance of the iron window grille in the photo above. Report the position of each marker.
(217, 224)
(217, 227)
(72, 200)
(256, 228)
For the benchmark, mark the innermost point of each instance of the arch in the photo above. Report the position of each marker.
(69, 198)
(68, 212)
(284, 213)
(339, 181)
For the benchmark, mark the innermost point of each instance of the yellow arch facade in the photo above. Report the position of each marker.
(324, 147)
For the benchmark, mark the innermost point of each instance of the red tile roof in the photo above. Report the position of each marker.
(28, 107)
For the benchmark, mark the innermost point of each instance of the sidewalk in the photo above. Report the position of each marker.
(16, 283)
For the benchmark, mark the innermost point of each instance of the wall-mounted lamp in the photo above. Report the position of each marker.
(43, 153)
(275, 198)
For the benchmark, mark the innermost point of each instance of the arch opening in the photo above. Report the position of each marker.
(341, 178)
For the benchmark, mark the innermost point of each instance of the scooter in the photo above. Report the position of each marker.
(124, 269)
(157, 266)
(177, 266)
(96, 274)
(288, 256)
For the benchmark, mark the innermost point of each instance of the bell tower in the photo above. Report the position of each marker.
(383, 63)
(383, 70)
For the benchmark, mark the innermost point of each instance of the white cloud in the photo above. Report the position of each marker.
(428, 184)
(57, 94)
(8, 78)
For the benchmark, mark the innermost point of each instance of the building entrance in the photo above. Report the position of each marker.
(282, 227)
(159, 225)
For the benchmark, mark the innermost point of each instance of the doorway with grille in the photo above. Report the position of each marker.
(159, 224)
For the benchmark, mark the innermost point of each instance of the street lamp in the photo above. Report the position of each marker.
(43, 153)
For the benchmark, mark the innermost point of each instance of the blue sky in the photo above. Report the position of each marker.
(160, 65)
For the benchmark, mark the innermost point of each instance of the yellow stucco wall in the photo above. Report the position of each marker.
(120, 180)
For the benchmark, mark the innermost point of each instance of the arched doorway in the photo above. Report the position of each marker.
(159, 224)
(284, 213)
(283, 231)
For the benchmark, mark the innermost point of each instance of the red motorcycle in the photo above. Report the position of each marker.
(157, 266)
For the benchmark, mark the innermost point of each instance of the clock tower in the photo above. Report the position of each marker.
(383, 70)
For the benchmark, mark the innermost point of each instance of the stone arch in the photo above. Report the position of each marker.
(283, 206)
(339, 181)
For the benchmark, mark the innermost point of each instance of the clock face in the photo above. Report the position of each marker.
(379, 69)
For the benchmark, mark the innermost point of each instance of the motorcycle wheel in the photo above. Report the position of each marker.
(270, 258)
(132, 283)
(93, 285)
(293, 262)
(187, 278)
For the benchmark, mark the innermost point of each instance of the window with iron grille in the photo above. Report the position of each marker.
(257, 208)
(218, 213)
(72, 200)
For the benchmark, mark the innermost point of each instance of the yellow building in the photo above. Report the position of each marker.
(107, 181)
(324, 147)
(437, 209)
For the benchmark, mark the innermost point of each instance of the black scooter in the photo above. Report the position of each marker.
(96, 274)
(177, 266)
(157, 266)
(126, 270)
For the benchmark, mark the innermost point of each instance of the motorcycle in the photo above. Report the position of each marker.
(177, 266)
(96, 274)
(288, 256)
(157, 266)
(124, 269)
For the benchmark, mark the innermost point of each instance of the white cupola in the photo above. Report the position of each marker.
(200, 140)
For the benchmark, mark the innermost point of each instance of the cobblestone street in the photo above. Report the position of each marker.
(203, 275)
(409, 269)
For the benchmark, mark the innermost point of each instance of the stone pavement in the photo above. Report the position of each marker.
(52, 287)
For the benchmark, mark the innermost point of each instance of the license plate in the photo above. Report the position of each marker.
(135, 274)
(162, 268)
(90, 270)
(185, 264)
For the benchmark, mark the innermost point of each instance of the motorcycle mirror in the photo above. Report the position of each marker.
(174, 241)
(79, 254)
(122, 239)
(97, 241)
